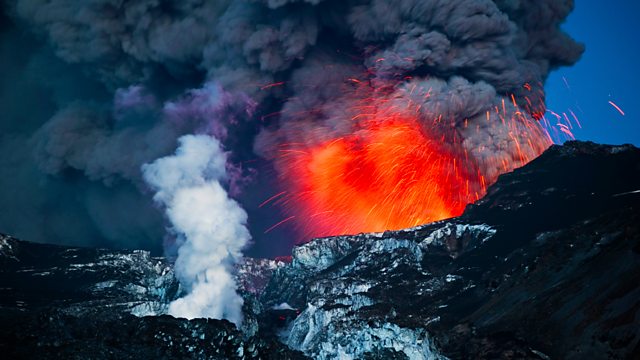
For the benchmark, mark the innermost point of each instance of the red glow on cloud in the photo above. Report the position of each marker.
(392, 175)
(392, 171)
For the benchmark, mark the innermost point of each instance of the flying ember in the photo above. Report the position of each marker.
(395, 169)
(390, 176)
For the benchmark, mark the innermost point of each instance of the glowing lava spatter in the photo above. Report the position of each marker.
(390, 176)
(391, 172)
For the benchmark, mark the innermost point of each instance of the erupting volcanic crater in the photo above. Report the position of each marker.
(394, 169)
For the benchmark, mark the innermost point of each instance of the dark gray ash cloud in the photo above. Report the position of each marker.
(92, 90)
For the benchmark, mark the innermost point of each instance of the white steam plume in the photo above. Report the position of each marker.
(209, 225)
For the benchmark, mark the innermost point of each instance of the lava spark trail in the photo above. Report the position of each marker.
(393, 172)
(615, 106)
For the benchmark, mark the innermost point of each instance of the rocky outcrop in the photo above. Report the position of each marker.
(544, 267)
(73, 303)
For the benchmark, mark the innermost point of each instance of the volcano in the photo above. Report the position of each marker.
(394, 169)
(544, 266)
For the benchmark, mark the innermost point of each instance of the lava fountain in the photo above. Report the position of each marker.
(395, 169)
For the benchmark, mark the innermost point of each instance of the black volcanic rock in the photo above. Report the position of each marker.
(72, 303)
(51, 335)
(37, 276)
(546, 265)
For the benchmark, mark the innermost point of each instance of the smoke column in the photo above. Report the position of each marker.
(209, 225)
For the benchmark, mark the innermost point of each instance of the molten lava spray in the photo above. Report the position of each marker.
(392, 172)
(389, 176)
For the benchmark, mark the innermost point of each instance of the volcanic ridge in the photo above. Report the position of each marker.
(544, 266)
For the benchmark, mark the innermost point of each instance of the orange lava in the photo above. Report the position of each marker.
(389, 175)
(393, 169)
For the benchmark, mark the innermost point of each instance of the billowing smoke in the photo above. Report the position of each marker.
(93, 90)
(210, 227)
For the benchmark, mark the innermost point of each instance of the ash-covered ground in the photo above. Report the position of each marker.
(546, 266)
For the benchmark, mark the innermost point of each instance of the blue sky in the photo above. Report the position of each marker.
(608, 71)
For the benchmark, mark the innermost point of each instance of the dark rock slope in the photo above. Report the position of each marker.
(547, 265)
(70, 303)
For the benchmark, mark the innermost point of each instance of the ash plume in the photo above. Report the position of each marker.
(93, 90)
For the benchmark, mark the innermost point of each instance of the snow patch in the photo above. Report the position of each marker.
(6, 249)
(320, 254)
(628, 193)
(328, 334)
(283, 306)
(451, 278)
(439, 236)
(389, 245)
(339, 287)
